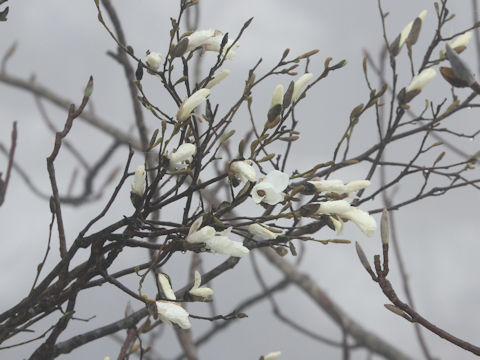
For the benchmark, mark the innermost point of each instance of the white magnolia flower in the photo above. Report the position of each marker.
(333, 207)
(191, 103)
(362, 219)
(270, 190)
(277, 97)
(356, 185)
(419, 81)
(170, 313)
(154, 60)
(272, 356)
(217, 78)
(462, 41)
(183, 153)
(261, 231)
(300, 84)
(138, 186)
(217, 242)
(166, 286)
(200, 291)
(220, 243)
(365, 222)
(243, 170)
(201, 235)
(210, 40)
(338, 187)
(406, 30)
(198, 38)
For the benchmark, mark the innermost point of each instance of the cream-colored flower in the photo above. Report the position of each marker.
(462, 41)
(261, 231)
(210, 40)
(362, 219)
(270, 189)
(273, 355)
(277, 97)
(406, 30)
(154, 60)
(166, 286)
(196, 290)
(183, 153)
(365, 222)
(356, 185)
(189, 104)
(243, 170)
(300, 84)
(220, 243)
(217, 242)
(138, 185)
(421, 80)
(338, 187)
(217, 78)
(198, 38)
(170, 313)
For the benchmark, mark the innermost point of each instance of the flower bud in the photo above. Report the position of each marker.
(154, 60)
(300, 84)
(217, 78)
(191, 103)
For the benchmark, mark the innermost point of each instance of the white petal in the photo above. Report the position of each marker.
(173, 313)
(166, 287)
(257, 229)
(421, 80)
(202, 235)
(357, 185)
(406, 30)
(265, 192)
(197, 281)
(300, 84)
(217, 78)
(333, 207)
(462, 40)
(201, 292)
(138, 186)
(278, 179)
(198, 37)
(272, 356)
(277, 97)
(223, 245)
(244, 170)
(184, 152)
(191, 103)
(365, 222)
(336, 186)
(338, 225)
(195, 226)
(154, 60)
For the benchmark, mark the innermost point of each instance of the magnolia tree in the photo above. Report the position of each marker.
(207, 182)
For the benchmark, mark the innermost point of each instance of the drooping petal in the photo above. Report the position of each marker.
(196, 290)
(172, 313)
(365, 222)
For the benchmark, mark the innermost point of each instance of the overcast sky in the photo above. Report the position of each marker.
(61, 43)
